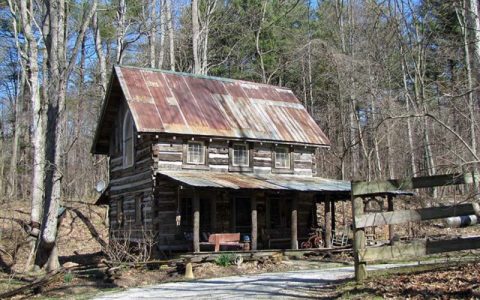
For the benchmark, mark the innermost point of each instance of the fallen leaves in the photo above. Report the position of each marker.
(455, 282)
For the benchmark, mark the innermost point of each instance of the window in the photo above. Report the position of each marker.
(282, 158)
(240, 155)
(128, 140)
(196, 153)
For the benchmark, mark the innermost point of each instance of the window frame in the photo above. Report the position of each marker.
(126, 164)
(246, 156)
(283, 170)
(231, 158)
(194, 166)
(202, 152)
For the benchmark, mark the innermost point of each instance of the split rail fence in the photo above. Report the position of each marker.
(362, 190)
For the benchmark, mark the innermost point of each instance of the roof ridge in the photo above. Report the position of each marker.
(230, 80)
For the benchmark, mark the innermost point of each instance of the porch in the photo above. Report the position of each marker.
(267, 212)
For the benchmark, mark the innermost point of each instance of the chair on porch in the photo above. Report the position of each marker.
(340, 237)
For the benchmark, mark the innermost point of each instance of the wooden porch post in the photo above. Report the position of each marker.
(294, 239)
(333, 216)
(390, 227)
(328, 222)
(253, 207)
(196, 221)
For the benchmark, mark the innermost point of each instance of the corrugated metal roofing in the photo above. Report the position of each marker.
(255, 181)
(179, 103)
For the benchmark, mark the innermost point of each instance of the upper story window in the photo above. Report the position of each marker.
(196, 153)
(282, 158)
(241, 157)
(128, 140)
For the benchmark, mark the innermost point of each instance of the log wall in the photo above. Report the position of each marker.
(129, 185)
(168, 155)
(160, 198)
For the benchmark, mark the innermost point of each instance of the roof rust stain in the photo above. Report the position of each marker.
(177, 103)
(256, 181)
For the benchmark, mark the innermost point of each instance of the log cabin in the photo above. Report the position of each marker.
(192, 155)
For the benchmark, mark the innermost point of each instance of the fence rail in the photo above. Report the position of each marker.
(417, 248)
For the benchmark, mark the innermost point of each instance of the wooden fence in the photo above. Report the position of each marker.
(402, 250)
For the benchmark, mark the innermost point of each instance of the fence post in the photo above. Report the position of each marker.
(358, 239)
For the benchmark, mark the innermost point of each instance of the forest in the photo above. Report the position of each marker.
(393, 83)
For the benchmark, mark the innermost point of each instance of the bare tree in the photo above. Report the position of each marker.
(152, 34)
(59, 69)
(169, 20)
(26, 11)
(102, 65)
(200, 35)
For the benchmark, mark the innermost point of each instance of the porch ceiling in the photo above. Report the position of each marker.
(254, 181)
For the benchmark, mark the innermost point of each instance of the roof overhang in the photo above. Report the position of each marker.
(251, 181)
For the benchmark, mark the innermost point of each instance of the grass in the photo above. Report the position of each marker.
(68, 277)
(7, 284)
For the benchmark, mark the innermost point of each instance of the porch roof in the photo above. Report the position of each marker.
(255, 181)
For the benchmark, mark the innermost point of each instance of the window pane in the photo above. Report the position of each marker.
(240, 155)
(282, 158)
(195, 153)
(128, 141)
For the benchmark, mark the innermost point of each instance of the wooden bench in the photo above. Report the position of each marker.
(223, 239)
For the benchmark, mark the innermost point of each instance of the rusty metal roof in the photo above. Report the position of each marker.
(255, 181)
(180, 103)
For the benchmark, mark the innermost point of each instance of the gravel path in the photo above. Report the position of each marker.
(287, 285)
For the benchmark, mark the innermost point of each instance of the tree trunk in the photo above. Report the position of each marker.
(476, 64)
(38, 130)
(152, 36)
(121, 12)
(58, 73)
(195, 37)
(100, 54)
(168, 9)
(161, 55)
(18, 133)
(409, 125)
(45, 252)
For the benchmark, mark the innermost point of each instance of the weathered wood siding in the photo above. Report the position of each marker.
(160, 198)
(164, 214)
(168, 155)
(129, 184)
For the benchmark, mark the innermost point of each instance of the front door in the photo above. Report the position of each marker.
(242, 215)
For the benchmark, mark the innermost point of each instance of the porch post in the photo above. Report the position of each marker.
(253, 207)
(390, 227)
(328, 222)
(196, 221)
(333, 216)
(294, 239)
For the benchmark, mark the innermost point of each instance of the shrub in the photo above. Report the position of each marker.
(225, 259)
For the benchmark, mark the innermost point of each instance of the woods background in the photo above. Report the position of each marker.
(394, 83)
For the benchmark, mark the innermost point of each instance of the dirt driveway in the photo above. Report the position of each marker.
(304, 284)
